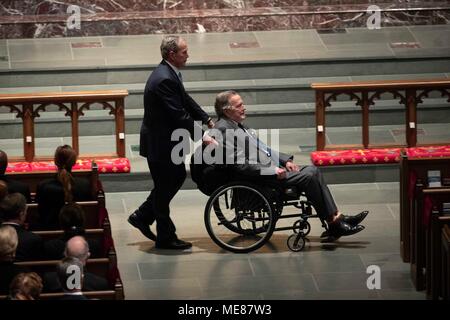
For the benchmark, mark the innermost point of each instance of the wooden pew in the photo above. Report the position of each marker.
(103, 267)
(91, 214)
(445, 280)
(419, 227)
(97, 235)
(414, 171)
(434, 255)
(32, 179)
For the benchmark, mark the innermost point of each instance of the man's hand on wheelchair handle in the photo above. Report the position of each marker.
(291, 166)
(281, 173)
(207, 140)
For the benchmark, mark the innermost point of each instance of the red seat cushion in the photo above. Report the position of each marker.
(428, 152)
(113, 165)
(355, 156)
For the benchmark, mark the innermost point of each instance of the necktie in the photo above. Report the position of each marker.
(180, 76)
(259, 144)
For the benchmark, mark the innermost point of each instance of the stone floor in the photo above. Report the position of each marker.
(321, 271)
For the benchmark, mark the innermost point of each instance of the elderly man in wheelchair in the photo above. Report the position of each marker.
(249, 184)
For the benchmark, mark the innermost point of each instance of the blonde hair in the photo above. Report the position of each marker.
(8, 243)
(26, 286)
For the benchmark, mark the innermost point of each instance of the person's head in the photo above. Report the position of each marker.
(25, 286)
(3, 190)
(65, 159)
(3, 162)
(229, 105)
(71, 220)
(77, 247)
(13, 207)
(8, 243)
(70, 273)
(175, 50)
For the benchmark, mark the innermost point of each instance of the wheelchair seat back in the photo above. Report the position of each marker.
(208, 177)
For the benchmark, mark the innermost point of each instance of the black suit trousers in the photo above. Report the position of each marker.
(310, 180)
(167, 179)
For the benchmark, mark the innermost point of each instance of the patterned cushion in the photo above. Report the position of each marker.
(428, 152)
(114, 165)
(355, 156)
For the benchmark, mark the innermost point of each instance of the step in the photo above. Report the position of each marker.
(297, 141)
(270, 116)
(103, 18)
(243, 68)
(253, 91)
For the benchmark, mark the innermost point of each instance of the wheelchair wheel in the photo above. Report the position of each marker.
(296, 242)
(239, 218)
(302, 225)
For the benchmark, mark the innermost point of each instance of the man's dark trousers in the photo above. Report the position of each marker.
(167, 180)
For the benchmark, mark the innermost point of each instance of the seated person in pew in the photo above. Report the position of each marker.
(3, 191)
(76, 247)
(8, 246)
(71, 287)
(13, 212)
(13, 186)
(25, 286)
(52, 194)
(271, 166)
(71, 220)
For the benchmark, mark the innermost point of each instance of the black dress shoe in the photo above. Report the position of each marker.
(137, 222)
(340, 228)
(174, 244)
(356, 219)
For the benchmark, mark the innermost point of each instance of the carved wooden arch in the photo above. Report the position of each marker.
(105, 104)
(352, 96)
(62, 107)
(13, 108)
(396, 95)
(425, 93)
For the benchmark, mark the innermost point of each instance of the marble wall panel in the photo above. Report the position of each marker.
(45, 18)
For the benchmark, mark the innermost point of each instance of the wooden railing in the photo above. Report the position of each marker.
(409, 93)
(28, 107)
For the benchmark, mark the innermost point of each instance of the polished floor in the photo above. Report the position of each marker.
(322, 271)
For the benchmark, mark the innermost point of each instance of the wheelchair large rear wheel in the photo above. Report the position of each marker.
(239, 218)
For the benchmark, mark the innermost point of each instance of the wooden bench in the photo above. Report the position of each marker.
(98, 235)
(103, 267)
(73, 104)
(365, 93)
(434, 271)
(32, 179)
(414, 171)
(93, 216)
(445, 280)
(425, 199)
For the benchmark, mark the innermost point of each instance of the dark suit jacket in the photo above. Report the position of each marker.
(167, 107)
(8, 270)
(30, 245)
(91, 282)
(17, 186)
(260, 164)
(50, 199)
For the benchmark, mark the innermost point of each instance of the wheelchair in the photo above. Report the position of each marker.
(241, 216)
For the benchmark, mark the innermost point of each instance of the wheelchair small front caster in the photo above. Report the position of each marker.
(302, 225)
(296, 242)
